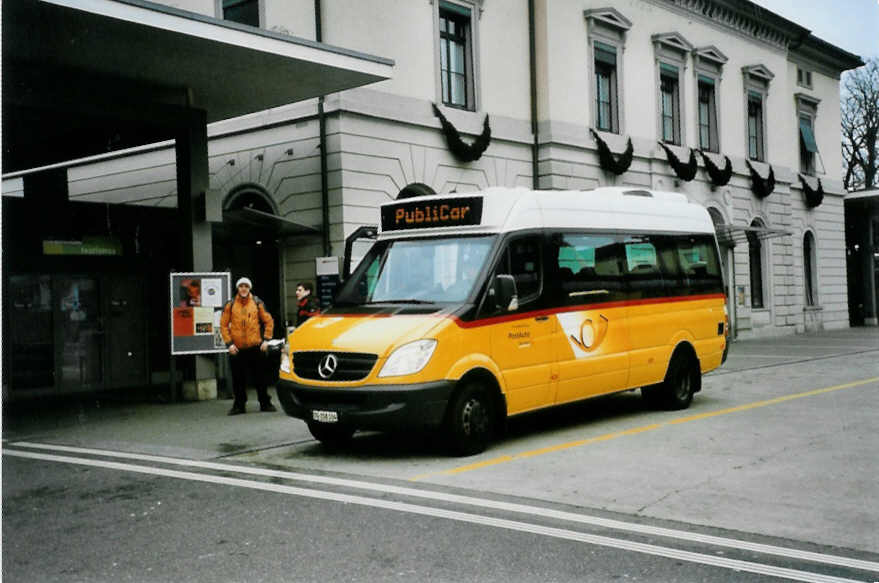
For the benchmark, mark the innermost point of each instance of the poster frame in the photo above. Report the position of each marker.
(225, 278)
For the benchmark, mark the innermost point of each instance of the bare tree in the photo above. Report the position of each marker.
(860, 126)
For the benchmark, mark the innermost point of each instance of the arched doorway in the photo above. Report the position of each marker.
(415, 189)
(246, 244)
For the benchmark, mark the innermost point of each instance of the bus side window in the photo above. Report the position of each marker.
(526, 268)
(643, 276)
(522, 259)
(699, 263)
(588, 269)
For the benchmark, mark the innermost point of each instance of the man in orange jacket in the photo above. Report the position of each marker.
(246, 325)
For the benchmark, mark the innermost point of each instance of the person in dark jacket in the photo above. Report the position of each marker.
(308, 305)
(246, 326)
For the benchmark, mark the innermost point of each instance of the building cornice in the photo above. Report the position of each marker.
(824, 56)
(760, 24)
(745, 18)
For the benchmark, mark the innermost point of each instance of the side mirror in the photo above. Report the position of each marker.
(364, 237)
(505, 294)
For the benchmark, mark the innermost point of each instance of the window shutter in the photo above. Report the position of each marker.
(808, 136)
(605, 54)
(455, 9)
(668, 69)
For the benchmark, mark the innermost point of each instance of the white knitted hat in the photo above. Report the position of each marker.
(243, 280)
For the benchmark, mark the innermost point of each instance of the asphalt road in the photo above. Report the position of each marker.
(69, 519)
(771, 475)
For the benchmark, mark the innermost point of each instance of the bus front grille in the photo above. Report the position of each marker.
(324, 365)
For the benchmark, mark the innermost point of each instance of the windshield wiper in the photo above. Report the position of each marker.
(400, 301)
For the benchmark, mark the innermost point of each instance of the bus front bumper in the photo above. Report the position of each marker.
(379, 407)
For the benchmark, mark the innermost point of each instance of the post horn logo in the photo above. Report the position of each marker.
(591, 333)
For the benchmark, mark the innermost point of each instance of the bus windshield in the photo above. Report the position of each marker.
(441, 270)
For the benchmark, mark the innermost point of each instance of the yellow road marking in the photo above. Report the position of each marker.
(642, 429)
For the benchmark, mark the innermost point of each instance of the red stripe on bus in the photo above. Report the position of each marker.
(581, 308)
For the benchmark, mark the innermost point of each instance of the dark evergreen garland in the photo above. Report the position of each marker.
(684, 172)
(814, 197)
(718, 177)
(606, 158)
(761, 187)
(462, 151)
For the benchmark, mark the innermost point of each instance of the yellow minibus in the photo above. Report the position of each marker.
(472, 308)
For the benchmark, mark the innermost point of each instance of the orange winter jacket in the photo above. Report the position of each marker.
(242, 320)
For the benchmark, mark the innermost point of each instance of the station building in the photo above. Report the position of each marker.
(722, 100)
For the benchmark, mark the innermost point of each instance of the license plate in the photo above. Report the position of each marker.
(325, 416)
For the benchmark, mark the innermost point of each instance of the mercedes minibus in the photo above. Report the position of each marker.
(472, 308)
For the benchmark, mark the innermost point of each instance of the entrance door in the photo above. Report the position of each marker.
(28, 338)
(126, 331)
(522, 345)
(80, 334)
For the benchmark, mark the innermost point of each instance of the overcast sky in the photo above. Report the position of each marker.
(852, 25)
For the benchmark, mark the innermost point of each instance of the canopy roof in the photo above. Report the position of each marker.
(84, 77)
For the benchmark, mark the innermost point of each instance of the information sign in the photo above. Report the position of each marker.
(445, 212)
(197, 301)
(327, 271)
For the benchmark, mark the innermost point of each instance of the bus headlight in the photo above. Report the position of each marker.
(408, 359)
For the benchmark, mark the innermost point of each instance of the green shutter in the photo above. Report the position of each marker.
(808, 136)
(669, 69)
(706, 80)
(605, 53)
(455, 9)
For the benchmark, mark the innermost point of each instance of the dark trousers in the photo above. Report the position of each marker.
(249, 364)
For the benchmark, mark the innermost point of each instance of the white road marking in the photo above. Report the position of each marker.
(466, 517)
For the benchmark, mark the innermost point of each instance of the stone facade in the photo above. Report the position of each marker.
(384, 137)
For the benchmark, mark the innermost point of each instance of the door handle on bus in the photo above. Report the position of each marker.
(542, 318)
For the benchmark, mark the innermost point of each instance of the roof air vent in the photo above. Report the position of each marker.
(646, 193)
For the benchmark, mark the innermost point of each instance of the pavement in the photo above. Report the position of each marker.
(202, 430)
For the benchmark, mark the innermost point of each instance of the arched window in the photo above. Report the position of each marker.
(415, 189)
(810, 271)
(250, 196)
(755, 259)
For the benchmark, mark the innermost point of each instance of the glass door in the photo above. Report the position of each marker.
(29, 336)
(80, 334)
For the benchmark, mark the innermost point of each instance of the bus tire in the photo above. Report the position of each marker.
(681, 382)
(470, 419)
(331, 435)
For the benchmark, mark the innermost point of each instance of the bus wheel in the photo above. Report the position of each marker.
(470, 420)
(676, 391)
(331, 435)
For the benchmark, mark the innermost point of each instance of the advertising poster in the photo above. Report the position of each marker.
(183, 322)
(218, 336)
(204, 320)
(190, 292)
(196, 306)
(211, 292)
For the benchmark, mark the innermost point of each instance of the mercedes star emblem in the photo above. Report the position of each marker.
(327, 366)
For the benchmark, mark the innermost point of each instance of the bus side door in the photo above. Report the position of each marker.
(593, 343)
(522, 339)
(654, 318)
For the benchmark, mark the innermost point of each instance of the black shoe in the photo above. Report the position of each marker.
(236, 411)
(267, 408)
